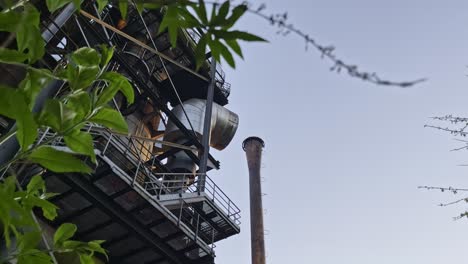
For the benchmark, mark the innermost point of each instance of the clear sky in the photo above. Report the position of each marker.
(343, 158)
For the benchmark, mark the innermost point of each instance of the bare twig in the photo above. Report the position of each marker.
(326, 51)
(443, 189)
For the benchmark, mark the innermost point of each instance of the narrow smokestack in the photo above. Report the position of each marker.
(253, 147)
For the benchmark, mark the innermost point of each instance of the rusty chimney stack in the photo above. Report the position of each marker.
(253, 147)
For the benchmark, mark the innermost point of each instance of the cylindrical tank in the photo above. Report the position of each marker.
(253, 147)
(224, 124)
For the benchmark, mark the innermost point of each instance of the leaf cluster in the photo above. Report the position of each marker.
(87, 91)
(17, 220)
(87, 102)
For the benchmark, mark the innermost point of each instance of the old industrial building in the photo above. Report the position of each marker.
(147, 197)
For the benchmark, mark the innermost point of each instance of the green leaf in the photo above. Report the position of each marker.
(10, 101)
(84, 77)
(82, 143)
(101, 4)
(77, 4)
(12, 56)
(28, 34)
(34, 82)
(64, 233)
(72, 245)
(237, 13)
(56, 115)
(227, 55)
(200, 51)
(95, 246)
(171, 22)
(107, 94)
(53, 5)
(51, 115)
(36, 185)
(235, 47)
(123, 7)
(188, 20)
(224, 9)
(86, 57)
(116, 82)
(213, 14)
(86, 259)
(140, 6)
(49, 210)
(58, 161)
(80, 103)
(9, 186)
(215, 47)
(173, 31)
(221, 16)
(9, 21)
(106, 54)
(25, 25)
(110, 118)
(85, 69)
(34, 256)
(29, 240)
(13, 105)
(235, 34)
(200, 9)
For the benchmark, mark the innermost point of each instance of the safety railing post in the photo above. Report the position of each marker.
(212, 239)
(162, 185)
(214, 191)
(180, 213)
(182, 185)
(197, 227)
(107, 144)
(136, 173)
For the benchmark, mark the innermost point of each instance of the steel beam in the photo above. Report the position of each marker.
(101, 200)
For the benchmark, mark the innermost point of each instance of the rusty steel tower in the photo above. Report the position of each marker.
(150, 196)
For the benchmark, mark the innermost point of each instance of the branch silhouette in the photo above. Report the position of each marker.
(280, 20)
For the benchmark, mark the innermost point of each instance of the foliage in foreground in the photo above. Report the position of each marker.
(83, 103)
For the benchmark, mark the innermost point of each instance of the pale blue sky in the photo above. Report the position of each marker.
(343, 158)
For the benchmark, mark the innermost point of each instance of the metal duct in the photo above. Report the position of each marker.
(224, 124)
(253, 147)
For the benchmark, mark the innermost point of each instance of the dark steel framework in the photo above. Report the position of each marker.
(136, 205)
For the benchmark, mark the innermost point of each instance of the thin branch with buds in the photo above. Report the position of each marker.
(443, 189)
(454, 191)
(326, 52)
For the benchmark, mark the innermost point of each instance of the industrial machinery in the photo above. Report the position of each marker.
(145, 197)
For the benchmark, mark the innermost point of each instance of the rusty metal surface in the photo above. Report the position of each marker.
(253, 147)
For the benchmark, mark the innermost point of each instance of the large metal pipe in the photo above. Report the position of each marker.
(253, 147)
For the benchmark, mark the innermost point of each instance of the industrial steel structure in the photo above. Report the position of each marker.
(253, 147)
(148, 197)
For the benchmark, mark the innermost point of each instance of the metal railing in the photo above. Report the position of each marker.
(136, 161)
(122, 152)
(180, 183)
(202, 228)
